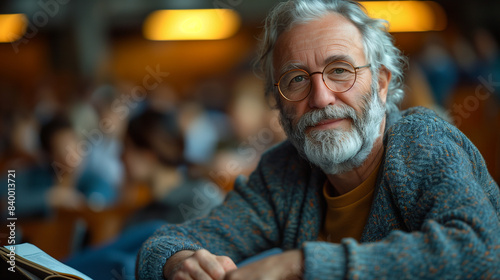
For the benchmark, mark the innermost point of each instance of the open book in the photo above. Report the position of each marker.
(26, 261)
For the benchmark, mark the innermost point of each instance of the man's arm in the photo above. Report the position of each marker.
(230, 229)
(249, 221)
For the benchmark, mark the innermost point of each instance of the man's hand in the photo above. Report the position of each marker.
(285, 266)
(197, 265)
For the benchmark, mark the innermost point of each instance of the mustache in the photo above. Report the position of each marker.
(312, 118)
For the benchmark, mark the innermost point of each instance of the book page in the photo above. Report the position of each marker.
(34, 254)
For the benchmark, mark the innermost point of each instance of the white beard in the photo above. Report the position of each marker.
(337, 151)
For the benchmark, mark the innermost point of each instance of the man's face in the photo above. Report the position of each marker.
(335, 131)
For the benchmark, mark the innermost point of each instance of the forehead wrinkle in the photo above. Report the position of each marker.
(345, 50)
(295, 64)
(317, 37)
(325, 46)
(290, 65)
(326, 43)
(299, 58)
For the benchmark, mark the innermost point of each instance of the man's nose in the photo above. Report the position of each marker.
(320, 95)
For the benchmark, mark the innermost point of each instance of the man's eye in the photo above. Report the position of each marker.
(298, 79)
(338, 71)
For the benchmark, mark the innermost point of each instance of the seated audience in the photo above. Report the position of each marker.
(153, 155)
(57, 181)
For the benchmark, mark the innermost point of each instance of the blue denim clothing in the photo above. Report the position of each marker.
(435, 214)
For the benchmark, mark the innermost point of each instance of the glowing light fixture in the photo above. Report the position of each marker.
(12, 27)
(208, 24)
(408, 16)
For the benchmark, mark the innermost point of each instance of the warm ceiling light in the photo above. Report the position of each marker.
(12, 27)
(408, 16)
(209, 24)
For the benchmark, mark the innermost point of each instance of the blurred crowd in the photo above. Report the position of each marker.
(117, 155)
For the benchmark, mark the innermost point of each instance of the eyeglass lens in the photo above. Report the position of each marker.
(339, 76)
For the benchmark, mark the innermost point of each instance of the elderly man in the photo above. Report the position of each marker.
(360, 190)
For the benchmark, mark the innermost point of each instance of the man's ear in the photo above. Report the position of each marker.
(384, 78)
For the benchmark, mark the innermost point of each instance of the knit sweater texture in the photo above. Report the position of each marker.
(435, 213)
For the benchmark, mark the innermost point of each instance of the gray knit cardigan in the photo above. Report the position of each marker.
(435, 214)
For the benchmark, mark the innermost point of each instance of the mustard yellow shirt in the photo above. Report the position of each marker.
(346, 215)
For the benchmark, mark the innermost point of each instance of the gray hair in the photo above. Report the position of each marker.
(377, 42)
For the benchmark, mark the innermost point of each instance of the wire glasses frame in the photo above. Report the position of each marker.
(338, 76)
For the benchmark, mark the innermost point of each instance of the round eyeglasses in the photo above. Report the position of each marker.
(338, 76)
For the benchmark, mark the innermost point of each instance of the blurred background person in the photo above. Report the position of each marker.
(154, 158)
(56, 181)
(103, 159)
